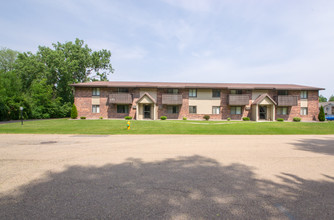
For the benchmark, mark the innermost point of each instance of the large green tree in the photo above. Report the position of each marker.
(64, 64)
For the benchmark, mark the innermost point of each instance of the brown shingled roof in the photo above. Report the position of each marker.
(259, 99)
(119, 84)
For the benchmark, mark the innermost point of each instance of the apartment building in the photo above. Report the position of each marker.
(151, 100)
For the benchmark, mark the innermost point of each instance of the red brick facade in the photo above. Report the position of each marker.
(83, 102)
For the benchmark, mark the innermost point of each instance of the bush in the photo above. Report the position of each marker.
(280, 119)
(101, 117)
(74, 112)
(163, 117)
(184, 118)
(245, 118)
(127, 117)
(321, 115)
(82, 117)
(206, 117)
(297, 119)
(228, 119)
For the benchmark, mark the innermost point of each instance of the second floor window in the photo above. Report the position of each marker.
(172, 91)
(282, 92)
(236, 91)
(192, 92)
(303, 94)
(123, 90)
(96, 91)
(215, 93)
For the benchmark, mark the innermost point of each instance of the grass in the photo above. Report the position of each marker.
(66, 126)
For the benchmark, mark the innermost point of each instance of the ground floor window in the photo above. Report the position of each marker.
(95, 108)
(122, 108)
(303, 111)
(193, 109)
(282, 110)
(172, 109)
(236, 110)
(215, 110)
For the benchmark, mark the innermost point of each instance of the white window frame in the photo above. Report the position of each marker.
(95, 108)
(303, 94)
(96, 92)
(234, 110)
(192, 92)
(215, 110)
(282, 110)
(193, 107)
(303, 111)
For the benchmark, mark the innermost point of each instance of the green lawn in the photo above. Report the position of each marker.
(66, 126)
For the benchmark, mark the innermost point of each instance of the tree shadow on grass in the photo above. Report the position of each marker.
(322, 146)
(183, 188)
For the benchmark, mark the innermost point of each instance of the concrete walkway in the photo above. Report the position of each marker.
(166, 177)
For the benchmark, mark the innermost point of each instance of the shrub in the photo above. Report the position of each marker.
(280, 119)
(245, 118)
(184, 118)
(321, 115)
(74, 112)
(163, 117)
(206, 117)
(101, 117)
(82, 117)
(297, 119)
(127, 117)
(228, 119)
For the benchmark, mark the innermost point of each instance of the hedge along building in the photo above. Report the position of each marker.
(151, 100)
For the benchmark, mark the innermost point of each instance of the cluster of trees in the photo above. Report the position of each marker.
(324, 99)
(39, 82)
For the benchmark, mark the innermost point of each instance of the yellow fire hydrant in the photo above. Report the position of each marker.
(128, 125)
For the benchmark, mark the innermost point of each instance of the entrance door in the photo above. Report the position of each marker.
(147, 111)
(263, 112)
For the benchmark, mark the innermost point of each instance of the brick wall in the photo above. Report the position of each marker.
(83, 102)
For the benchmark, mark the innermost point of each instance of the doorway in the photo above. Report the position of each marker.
(147, 111)
(263, 112)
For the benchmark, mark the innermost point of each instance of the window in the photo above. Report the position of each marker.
(96, 91)
(303, 111)
(236, 91)
(123, 90)
(282, 92)
(215, 93)
(172, 109)
(122, 109)
(215, 110)
(303, 94)
(282, 110)
(192, 92)
(236, 110)
(193, 109)
(95, 108)
(172, 91)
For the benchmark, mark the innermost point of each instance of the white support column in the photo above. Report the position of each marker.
(137, 110)
(257, 113)
(273, 106)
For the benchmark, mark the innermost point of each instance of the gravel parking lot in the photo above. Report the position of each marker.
(166, 177)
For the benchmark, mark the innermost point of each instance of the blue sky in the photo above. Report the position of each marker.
(187, 40)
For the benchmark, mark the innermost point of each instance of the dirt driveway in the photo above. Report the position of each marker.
(166, 177)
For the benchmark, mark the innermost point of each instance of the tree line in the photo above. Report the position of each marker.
(324, 99)
(39, 82)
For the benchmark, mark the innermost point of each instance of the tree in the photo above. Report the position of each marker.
(7, 59)
(321, 115)
(74, 112)
(64, 64)
(331, 99)
(322, 98)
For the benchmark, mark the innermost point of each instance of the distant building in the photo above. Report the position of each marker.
(328, 107)
(151, 100)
